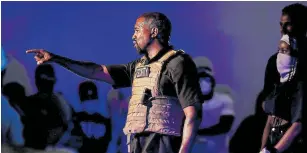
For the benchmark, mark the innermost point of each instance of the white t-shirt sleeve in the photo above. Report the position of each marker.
(228, 108)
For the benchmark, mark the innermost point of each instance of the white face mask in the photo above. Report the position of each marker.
(285, 64)
(205, 85)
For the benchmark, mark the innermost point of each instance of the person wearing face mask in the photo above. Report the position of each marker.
(283, 105)
(292, 22)
(218, 112)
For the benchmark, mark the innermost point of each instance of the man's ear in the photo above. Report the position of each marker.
(154, 32)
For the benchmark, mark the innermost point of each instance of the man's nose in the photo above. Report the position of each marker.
(133, 37)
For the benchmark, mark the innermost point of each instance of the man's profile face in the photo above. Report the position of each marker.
(285, 24)
(141, 36)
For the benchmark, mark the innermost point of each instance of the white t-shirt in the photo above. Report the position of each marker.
(220, 104)
(91, 128)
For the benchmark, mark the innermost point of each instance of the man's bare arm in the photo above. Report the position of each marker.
(191, 124)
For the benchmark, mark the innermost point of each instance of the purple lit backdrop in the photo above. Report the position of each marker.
(238, 37)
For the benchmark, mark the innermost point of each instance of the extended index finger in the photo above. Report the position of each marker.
(33, 50)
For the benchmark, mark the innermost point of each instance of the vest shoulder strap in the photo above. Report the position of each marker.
(166, 57)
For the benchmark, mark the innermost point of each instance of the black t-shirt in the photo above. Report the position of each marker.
(178, 79)
(43, 120)
(285, 101)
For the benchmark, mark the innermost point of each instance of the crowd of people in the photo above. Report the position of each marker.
(176, 104)
(46, 121)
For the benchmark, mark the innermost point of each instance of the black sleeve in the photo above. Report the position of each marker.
(122, 74)
(271, 76)
(297, 104)
(185, 79)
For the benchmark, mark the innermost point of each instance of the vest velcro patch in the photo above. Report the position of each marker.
(142, 72)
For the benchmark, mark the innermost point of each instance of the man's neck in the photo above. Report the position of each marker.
(154, 49)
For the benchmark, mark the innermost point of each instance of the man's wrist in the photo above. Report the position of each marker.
(59, 59)
(54, 57)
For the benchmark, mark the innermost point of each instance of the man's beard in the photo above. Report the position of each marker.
(144, 50)
(140, 51)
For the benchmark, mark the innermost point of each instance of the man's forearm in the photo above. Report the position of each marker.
(189, 132)
(85, 69)
(191, 124)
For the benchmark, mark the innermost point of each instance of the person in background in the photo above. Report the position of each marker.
(218, 111)
(282, 132)
(11, 125)
(292, 23)
(94, 119)
(45, 119)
